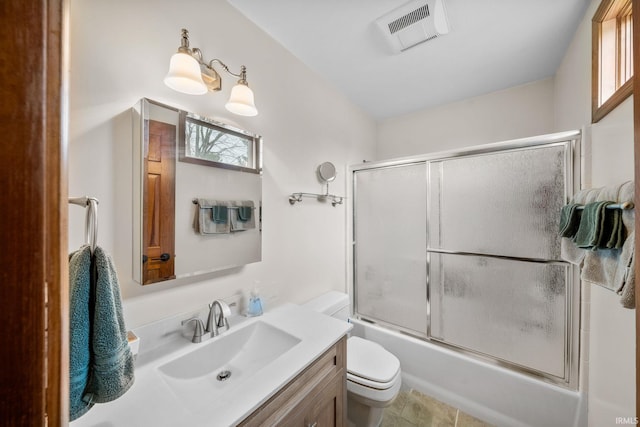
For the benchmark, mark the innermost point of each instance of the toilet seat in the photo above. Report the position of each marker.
(372, 384)
(370, 365)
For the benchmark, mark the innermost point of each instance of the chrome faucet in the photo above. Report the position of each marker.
(198, 331)
(214, 323)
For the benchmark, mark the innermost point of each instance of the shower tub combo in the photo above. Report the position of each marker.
(457, 271)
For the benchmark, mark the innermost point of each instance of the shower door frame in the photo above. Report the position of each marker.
(572, 181)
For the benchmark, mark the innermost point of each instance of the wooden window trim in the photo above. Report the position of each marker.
(606, 10)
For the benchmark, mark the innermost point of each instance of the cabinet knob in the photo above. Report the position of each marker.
(312, 425)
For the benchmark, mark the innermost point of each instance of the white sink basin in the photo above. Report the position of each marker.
(213, 369)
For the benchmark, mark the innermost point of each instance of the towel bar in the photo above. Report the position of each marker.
(624, 206)
(335, 200)
(195, 202)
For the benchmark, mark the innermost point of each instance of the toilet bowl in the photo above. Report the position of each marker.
(373, 373)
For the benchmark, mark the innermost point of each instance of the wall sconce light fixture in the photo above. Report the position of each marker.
(189, 73)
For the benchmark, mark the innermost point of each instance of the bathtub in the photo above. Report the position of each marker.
(492, 393)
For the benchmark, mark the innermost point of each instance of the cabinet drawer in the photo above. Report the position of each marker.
(290, 403)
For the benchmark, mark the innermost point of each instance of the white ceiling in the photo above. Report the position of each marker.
(492, 45)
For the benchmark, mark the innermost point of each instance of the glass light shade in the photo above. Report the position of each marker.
(241, 101)
(184, 75)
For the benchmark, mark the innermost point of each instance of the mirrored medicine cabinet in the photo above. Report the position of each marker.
(197, 194)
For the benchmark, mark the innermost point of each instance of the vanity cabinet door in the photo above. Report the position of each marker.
(327, 408)
(316, 397)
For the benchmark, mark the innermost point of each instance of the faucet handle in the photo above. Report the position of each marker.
(198, 331)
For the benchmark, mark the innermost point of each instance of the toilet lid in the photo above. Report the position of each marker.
(369, 360)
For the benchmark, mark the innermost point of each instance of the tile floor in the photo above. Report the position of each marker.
(413, 409)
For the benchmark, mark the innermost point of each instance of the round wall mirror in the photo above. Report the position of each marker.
(326, 172)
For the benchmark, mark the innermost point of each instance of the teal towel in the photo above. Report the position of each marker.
(590, 233)
(112, 365)
(242, 217)
(244, 213)
(220, 214)
(79, 285)
(100, 362)
(569, 220)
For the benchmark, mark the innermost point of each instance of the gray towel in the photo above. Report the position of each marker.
(243, 217)
(628, 298)
(79, 285)
(112, 366)
(212, 217)
(612, 268)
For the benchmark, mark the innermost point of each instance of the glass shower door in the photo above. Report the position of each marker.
(390, 273)
(497, 285)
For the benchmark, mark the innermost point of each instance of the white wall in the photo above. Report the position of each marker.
(119, 53)
(518, 112)
(610, 358)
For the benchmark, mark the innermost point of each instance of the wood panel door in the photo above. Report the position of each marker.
(159, 203)
(34, 292)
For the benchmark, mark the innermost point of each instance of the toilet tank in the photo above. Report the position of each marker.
(333, 303)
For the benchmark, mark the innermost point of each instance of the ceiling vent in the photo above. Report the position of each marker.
(413, 23)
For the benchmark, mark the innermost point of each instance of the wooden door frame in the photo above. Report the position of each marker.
(636, 151)
(33, 291)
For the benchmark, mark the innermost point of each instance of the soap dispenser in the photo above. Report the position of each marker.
(255, 304)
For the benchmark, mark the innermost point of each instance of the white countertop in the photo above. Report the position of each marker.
(152, 402)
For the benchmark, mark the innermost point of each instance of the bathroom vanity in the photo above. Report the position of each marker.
(287, 367)
(316, 397)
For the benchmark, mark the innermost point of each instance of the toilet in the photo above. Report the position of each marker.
(373, 373)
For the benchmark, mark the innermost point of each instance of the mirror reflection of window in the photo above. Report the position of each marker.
(209, 144)
(205, 142)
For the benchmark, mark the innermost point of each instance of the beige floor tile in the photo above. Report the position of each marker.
(393, 420)
(398, 404)
(466, 420)
(425, 411)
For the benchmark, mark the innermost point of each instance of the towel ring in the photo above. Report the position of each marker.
(91, 219)
(91, 224)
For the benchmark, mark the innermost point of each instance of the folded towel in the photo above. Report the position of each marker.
(212, 217)
(244, 213)
(79, 286)
(590, 233)
(628, 293)
(220, 214)
(613, 228)
(613, 268)
(568, 250)
(242, 217)
(569, 220)
(112, 365)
